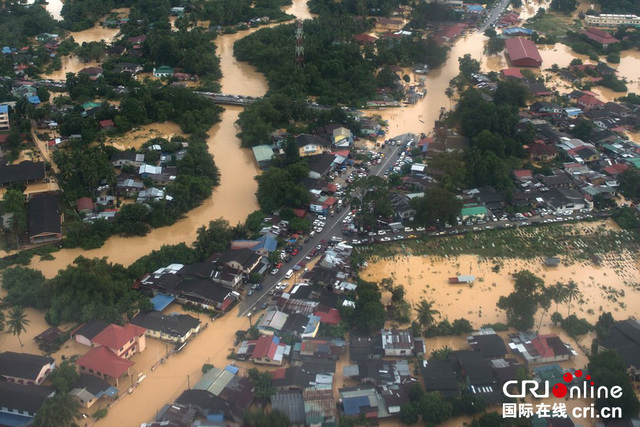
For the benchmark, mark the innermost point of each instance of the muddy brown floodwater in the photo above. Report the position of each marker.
(233, 200)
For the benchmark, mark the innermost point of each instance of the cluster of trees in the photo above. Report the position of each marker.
(67, 298)
(425, 13)
(630, 184)
(18, 22)
(282, 187)
(197, 175)
(232, 12)
(492, 128)
(143, 103)
(354, 7)
(371, 196)
(334, 71)
(564, 6)
(439, 205)
(434, 408)
(619, 6)
(79, 15)
(522, 304)
(608, 369)
(369, 314)
(530, 294)
(13, 204)
(192, 50)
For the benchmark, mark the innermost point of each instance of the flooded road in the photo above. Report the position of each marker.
(420, 117)
(233, 200)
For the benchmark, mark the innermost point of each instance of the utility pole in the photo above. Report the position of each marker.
(188, 382)
(299, 43)
(250, 324)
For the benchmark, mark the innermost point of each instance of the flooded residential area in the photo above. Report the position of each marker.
(406, 213)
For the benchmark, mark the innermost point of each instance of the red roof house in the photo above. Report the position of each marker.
(84, 205)
(450, 33)
(512, 72)
(92, 72)
(589, 102)
(123, 341)
(329, 316)
(364, 39)
(270, 351)
(550, 348)
(103, 363)
(523, 52)
(523, 174)
(601, 37)
(107, 124)
(616, 169)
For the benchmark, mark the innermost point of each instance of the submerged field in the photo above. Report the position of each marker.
(423, 268)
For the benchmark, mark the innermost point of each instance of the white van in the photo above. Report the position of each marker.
(289, 274)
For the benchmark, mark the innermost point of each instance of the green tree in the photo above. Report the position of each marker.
(608, 369)
(583, 129)
(558, 295)
(369, 311)
(263, 384)
(409, 413)
(434, 408)
(25, 287)
(604, 324)
(213, 238)
(64, 377)
(564, 6)
(17, 322)
(437, 205)
(468, 66)
(573, 293)
(2, 320)
(258, 418)
(522, 304)
(60, 410)
(629, 183)
(13, 203)
(426, 314)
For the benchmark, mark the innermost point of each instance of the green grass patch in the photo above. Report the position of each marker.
(553, 24)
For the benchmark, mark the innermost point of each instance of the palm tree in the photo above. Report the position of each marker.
(558, 295)
(17, 323)
(572, 292)
(544, 300)
(426, 314)
(60, 410)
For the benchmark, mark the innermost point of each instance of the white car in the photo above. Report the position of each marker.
(408, 229)
(420, 229)
(381, 232)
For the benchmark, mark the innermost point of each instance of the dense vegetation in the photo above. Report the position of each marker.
(354, 7)
(619, 6)
(334, 70)
(68, 298)
(231, 12)
(80, 170)
(607, 369)
(18, 22)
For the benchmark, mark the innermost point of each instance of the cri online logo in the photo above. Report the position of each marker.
(560, 390)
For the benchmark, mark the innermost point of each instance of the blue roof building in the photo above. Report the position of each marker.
(267, 243)
(517, 31)
(161, 301)
(34, 100)
(4, 109)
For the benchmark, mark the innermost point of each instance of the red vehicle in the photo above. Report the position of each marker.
(279, 265)
(295, 252)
